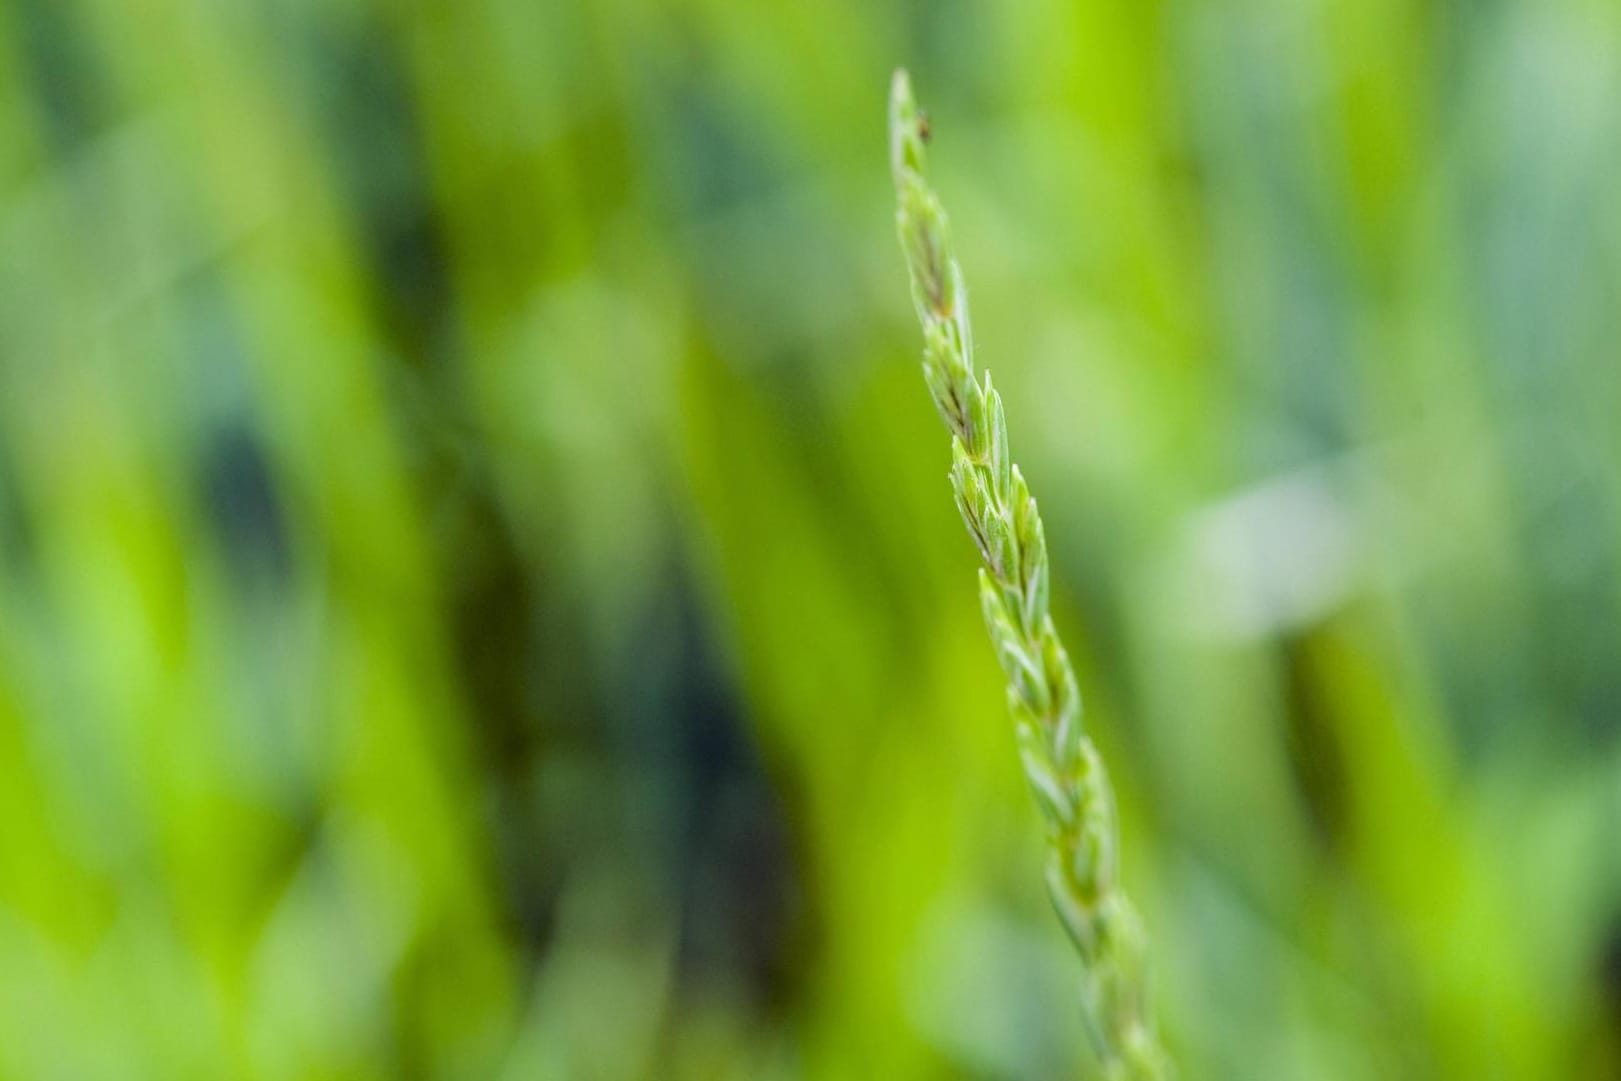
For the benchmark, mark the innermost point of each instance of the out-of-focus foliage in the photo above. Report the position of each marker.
(479, 594)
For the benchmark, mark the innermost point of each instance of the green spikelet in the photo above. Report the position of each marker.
(1065, 773)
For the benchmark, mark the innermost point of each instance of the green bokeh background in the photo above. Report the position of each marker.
(480, 597)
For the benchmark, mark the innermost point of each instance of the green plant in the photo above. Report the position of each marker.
(1061, 762)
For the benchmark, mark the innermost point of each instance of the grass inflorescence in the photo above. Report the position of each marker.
(1064, 769)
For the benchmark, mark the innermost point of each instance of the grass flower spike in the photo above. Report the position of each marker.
(1063, 767)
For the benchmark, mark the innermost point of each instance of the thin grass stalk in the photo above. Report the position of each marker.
(1065, 772)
